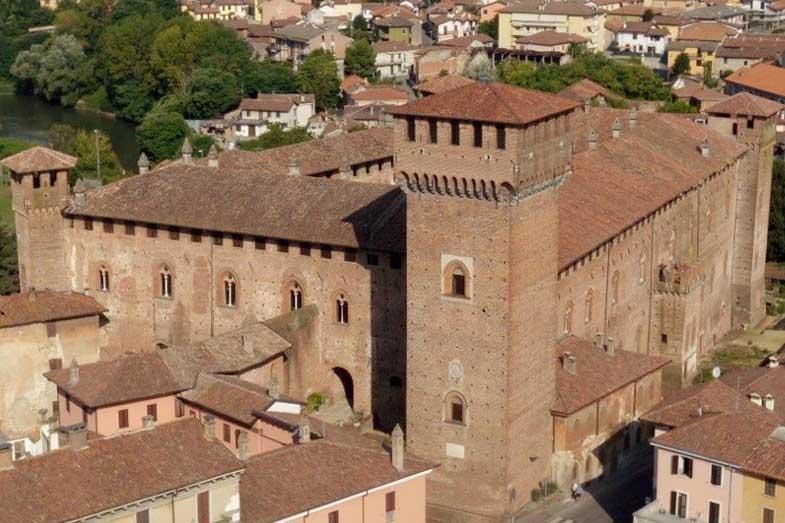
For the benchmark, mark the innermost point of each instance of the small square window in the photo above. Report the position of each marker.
(259, 244)
(108, 226)
(326, 252)
(88, 224)
(305, 249)
(770, 487)
(350, 255)
(664, 339)
(152, 231)
(196, 236)
(130, 228)
(395, 261)
(174, 233)
(373, 259)
(237, 240)
(283, 246)
(218, 238)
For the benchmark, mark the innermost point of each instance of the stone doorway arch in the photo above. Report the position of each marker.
(347, 383)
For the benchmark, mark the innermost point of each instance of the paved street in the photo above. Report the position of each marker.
(615, 503)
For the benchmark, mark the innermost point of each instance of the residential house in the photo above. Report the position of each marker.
(441, 84)
(369, 116)
(294, 43)
(394, 60)
(698, 96)
(748, 49)
(234, 9)
(393, 29)
(764, 80)
(550, 42)
(700, 42)
(641, 38)
(586, 91)
(353, 83)
(469, 42)
(561, 16)
(600, 394)
(672, 23)
(325, 480)
(379, 95)
(490, 11)
(674, 6)
(288, 110)
(632, 13)
(349, 9)
(173, 472)
(768, 14)
(727, 14)
(39, 330)
(272, 10)
(201, 10)
(446, 27)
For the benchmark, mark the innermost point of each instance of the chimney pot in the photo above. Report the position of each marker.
(705, 149)
(242, 445)
(209, 426)
(187, 150)
(304, 430)
(633, 117)
(617, 127)
(570, 363)
(397, 447)
(272, 391)
(212, 157)
(294, 169)
(73, 373)
(143, 163)
(593, 139)
(772, 362)
(77, 437)
(610, 346)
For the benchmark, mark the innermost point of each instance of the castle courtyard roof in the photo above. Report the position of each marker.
(45, 306)
(70, 484)
(38, 159)
(489, 102)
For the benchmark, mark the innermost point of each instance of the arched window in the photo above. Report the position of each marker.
(103, 279)
(642, 268)
(295, 296)
(568, 318)
(230, 290)
(589, 304)
(166, 289)
(341, 309)
(615, 284)
(455, 409)
(457, 280)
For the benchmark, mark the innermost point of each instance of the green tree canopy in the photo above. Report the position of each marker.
(776, 245)
(648, 15)
(682, 64)
(82, 144)
(269, 77)
(679, 106)
(490, 28)
(276, 136)
(360, 23)
(318, 75)
(9, 274)
(211, 93)
(58, 71)
(161, 135)
(17, 16)
(361, 59)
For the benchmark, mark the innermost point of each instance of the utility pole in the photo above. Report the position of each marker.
(97, 155)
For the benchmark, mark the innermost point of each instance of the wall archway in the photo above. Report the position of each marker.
(347, 383)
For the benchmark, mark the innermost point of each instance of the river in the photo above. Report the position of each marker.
(28, 118)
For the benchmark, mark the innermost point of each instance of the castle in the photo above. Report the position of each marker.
(516, 220)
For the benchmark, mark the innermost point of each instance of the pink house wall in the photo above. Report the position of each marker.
(108, 419)
(699, 489)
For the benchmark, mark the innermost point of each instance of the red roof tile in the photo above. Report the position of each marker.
(746, 104)
(585, 90)
(275, 102)
(43, 306)
(441, 84)
(761, 77)
(551, 38)
(37, 159)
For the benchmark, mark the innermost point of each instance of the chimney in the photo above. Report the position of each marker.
(700, 411)
(247, 344)
(593, 139)
(587, 106)
(617, 127)
(772, 362)
(633, 117)
(304, 430)
(209, 426)
(294, 169)
(272, 391)
(187, 150)
(212, 157)
(570, 363)
(242, 445)
(143, 163)
(73, 373)
(705, 151)
(147, 421)
(77, 437)
(610, 346)
(397, 448)
(768, 401)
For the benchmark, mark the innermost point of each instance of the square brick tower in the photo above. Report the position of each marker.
(482, 166)
(39, 191)
(750, 120)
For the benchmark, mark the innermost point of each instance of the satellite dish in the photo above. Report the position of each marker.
(716, 372)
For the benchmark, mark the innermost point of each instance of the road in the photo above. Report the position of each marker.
(615, 503)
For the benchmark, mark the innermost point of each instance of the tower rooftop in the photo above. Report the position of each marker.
(746, 104)
(488, 102)
(39, 159)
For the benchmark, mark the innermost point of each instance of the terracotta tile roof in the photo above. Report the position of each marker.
(392, 21)
(768, 458)
(316, 157)
(699, 92)
(38, 159)
(760, 380)
(232, 398)
(671, 20)
(302, 477)
(707, 32)
(634, 10)
(683, 45)
(275, 102)
(585, 90)
(130, 377)
(43, 306)
(551, 38)
(627, 178)
(558, 7)
(645, 28)
(352, 82)
(715, 12)
(746, 104)
(729, 437)
(250, 202)
(761, 77)
(466, 41)
(68, 484)
(598, 373)
(753, 45)
(489, 102)
(441, 84)
(381, 93)
(714, 397)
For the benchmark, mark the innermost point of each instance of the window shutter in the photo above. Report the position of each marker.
(673, 502)
(389, 501)
(688, 467)
(203, 507)
(674, 465)
(143, 516)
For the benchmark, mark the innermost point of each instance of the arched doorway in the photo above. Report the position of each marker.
(347, 383)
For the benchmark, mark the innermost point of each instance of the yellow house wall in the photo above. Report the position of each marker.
(754, 500)
(505, 30)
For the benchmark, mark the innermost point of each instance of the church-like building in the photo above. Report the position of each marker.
(512, 295)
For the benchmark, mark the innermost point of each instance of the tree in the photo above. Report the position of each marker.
(360, 23)
(269, 77)
(679, 106)
(58, 71)
(648, 15)
(490, 28)
(776, 245)
(319, 75)
(682, 64)
(9, 274)
(276, 136)
(211, 93)
(361, 59)
(161, 135)
(201, 144)
(82, 144)
(17, 16)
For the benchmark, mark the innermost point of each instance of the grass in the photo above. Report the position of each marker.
(8, 146)
(6, 214)
(730, 358)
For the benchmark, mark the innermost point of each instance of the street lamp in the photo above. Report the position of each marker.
(97, 155)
